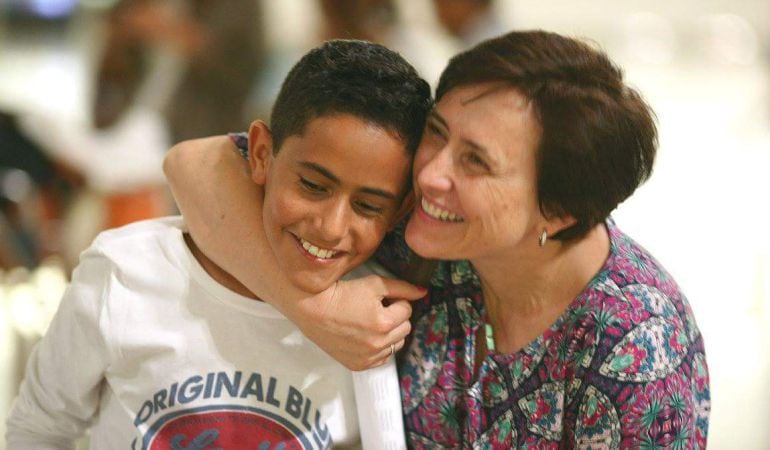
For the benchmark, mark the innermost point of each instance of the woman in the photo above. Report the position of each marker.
(545, 326)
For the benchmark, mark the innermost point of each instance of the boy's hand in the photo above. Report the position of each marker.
(353, 324)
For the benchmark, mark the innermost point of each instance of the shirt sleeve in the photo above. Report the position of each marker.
(60, 393)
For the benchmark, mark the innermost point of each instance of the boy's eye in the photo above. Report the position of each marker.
(369, 208)
(310, 186)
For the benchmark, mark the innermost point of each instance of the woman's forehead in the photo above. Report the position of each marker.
(485, 93)
(498, 108)
(495, 117)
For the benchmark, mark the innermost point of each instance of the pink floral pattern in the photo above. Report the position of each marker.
(623, 367)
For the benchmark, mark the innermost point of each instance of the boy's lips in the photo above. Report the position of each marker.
(316, 252)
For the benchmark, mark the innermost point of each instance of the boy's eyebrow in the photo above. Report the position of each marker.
(320, 169)
(328, 174)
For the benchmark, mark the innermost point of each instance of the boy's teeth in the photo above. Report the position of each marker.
(438, 213)
(317, 251)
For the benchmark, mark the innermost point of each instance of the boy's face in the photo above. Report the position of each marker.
(331, 194)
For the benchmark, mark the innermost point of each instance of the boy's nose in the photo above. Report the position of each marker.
(335, 221)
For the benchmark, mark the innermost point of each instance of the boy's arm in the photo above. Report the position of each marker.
(60, 392)
(223, 212)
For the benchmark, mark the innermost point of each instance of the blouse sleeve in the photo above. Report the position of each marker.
(241, 141)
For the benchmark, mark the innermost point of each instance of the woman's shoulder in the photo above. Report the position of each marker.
(633, 343)
(633, 279)
(642, 324)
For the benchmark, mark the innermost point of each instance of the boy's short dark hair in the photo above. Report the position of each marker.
(359, 78)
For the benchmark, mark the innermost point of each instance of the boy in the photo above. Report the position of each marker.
(155, 346)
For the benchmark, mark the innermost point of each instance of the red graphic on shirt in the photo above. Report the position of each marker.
(218, 430)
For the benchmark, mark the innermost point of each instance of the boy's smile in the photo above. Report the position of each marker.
(331, 194)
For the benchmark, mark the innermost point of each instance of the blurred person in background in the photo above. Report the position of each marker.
(468, 21)
(225, 50)
(34, 190)
(545, 325)
(168, 70)
(219, 44)
(376, 21)
(380, 21)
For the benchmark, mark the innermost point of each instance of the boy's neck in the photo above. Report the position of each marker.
(216, 272)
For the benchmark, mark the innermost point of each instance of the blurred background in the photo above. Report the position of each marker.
(93, 92)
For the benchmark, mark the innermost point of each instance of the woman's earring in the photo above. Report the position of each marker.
(543, 238)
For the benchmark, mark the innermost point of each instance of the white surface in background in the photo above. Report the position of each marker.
(34, 77)
(704, 214)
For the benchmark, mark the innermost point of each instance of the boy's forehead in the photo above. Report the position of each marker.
(346, 123)
(345, 148)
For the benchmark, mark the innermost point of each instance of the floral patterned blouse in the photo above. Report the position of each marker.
(623, 367)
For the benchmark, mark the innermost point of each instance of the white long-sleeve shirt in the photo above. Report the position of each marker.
(148, 351)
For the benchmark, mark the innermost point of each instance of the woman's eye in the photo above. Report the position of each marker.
(433, 130)
(475, 160)
(310, 186)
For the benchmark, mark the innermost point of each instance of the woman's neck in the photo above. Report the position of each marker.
(526, 291)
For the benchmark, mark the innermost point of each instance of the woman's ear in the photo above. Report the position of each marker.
(260, 151)
(555, 224)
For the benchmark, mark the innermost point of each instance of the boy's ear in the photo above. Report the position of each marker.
(407, 204)
(260, 151)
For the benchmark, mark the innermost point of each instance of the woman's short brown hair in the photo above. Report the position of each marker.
(598, 139)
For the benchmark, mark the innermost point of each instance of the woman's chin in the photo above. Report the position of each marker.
(423, 245)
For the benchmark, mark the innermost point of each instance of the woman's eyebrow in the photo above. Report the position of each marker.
(475, 145)
(437, 117)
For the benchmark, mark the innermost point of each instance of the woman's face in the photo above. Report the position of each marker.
(474, 176)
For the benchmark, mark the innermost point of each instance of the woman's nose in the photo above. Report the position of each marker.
(436, 172)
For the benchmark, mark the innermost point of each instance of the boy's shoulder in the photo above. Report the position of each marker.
(143, 239)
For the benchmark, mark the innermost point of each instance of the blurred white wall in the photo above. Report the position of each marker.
(702, 65)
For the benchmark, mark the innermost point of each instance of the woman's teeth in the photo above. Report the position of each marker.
(438, 213)
(318, 252)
